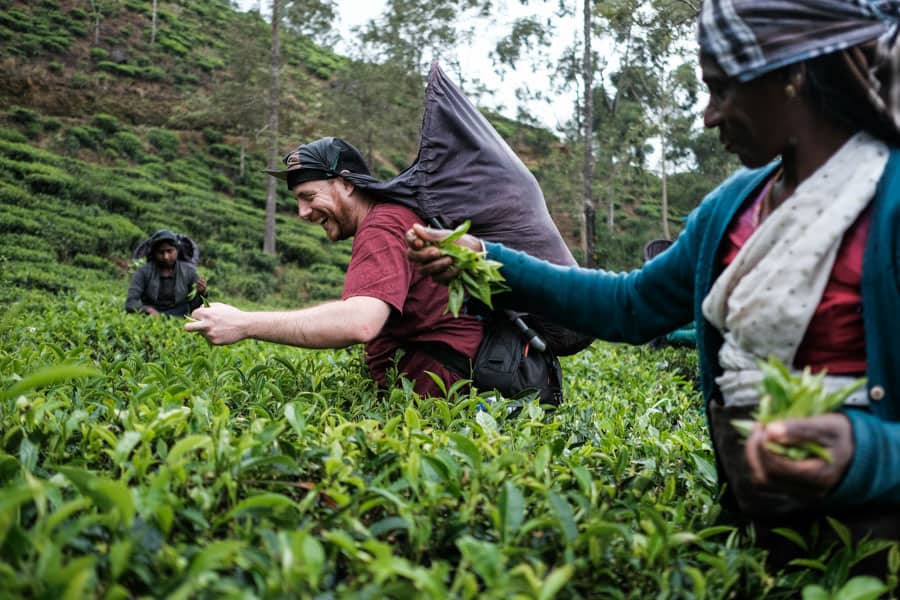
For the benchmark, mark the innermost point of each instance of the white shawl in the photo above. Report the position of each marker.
(763, 302)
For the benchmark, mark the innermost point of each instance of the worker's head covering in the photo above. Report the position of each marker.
(325, 158)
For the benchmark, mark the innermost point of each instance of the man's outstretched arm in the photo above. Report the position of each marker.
(355, 320)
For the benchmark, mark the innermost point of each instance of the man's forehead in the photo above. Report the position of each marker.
(310, 187)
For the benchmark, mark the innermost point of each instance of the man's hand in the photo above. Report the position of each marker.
(201, 286)
(809, 477)
(151, 311)
(219, 323)
(428, 258)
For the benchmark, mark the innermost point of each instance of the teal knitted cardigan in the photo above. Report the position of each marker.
(668, 292)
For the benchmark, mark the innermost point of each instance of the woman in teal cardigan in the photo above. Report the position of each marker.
(794, 256)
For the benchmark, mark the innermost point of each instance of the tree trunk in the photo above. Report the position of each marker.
(588, 230)
(96, 10)
(272, 192)
(153, 24)
(664, 149)
(611, 215)
(243, 155)
(665, 191)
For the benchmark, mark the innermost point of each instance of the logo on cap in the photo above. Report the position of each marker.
(292, 160)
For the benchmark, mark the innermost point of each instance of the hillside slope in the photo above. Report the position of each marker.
(91, 162)
(106, 138)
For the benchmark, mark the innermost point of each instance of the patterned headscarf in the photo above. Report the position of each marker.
(749, 38)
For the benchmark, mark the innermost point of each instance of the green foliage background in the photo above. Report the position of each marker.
(137, 461)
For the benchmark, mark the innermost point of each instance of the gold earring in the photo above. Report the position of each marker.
(790, 90)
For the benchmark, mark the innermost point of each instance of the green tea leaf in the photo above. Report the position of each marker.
(479, 277)
(862, 588)
(106, 493)
(791, 535)
(186, 445)
(468, 449)
(512, 510)
(47, 376)
(563, 512)
(555, 581)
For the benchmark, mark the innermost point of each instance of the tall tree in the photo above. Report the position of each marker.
(313, 19)
(274, 155)
(675, 113)
(672, 104)
(414, 33)
(379, 105)
(377, 97)
(624, 128)
(588, 230)
(661, 79)
(235, 103)
(100, 9)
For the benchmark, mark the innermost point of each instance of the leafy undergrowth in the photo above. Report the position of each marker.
(183, 470)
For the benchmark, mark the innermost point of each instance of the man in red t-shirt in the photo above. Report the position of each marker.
(386, 304)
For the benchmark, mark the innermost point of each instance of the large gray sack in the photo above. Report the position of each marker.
(465, 170)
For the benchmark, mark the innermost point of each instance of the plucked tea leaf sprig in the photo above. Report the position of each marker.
(194, 294)
(478, 276)
(786, 395)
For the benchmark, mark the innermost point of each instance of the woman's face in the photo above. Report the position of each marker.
(751, 117)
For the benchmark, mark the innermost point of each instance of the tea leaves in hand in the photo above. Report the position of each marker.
(786, 395)
(478, 277)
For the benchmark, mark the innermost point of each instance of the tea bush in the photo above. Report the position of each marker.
(106, 123)
(83, 136)
(15, 20)
(152, 464)
(23, 116)
(89, 261)
(120, 69)
(128, 145)
(324, 282)
(23, 253)
(51, 125)
(165, 142)
(302, 251)
(11, 135)
(14, 195)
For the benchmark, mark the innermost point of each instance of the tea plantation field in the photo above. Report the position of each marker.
(138, 461)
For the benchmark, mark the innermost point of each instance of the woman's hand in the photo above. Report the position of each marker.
(810, 477)
(428, 258)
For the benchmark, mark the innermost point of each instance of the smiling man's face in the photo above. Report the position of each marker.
(328, 203)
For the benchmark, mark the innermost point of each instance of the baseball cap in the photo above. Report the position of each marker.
(322, 159)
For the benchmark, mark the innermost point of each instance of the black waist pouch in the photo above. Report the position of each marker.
(505, 363)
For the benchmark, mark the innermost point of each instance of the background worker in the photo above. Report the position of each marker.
(161, 285)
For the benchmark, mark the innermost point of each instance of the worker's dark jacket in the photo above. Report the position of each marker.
(144, 288)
